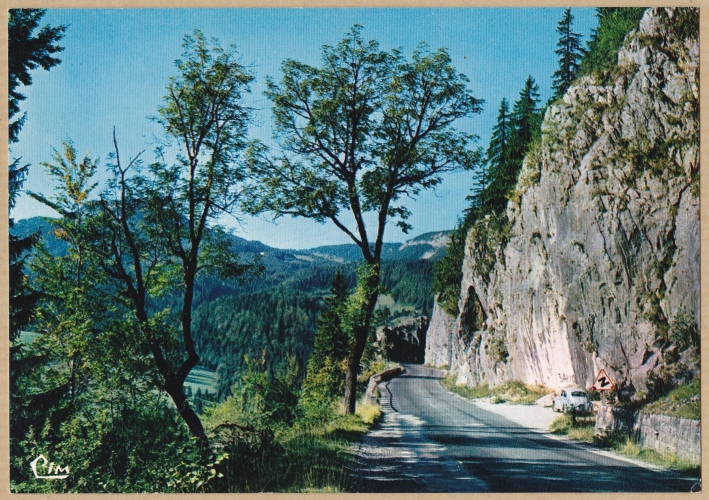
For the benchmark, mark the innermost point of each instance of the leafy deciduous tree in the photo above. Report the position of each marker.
(358, 134)
(159, 225)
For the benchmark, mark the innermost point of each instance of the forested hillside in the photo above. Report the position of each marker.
(274, 317)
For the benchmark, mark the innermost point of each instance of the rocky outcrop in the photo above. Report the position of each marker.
(439, 338)
(405, 342)
(597, 263)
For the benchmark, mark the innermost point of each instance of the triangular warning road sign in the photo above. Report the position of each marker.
(603, 382)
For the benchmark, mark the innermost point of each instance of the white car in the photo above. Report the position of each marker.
(572, 398)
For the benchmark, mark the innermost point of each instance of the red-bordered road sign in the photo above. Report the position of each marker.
(603, 382)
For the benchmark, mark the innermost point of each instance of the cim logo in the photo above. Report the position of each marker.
(52, 472)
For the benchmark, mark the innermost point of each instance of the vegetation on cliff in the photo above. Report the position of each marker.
(593, 262)
(512, 138)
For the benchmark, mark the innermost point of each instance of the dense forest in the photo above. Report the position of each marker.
(136, 285)
(275, 316)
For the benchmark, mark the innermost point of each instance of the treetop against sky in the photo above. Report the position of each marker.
(116, 65)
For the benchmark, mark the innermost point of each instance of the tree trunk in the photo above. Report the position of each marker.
(353, 360)
(357, 349)
(194, 424)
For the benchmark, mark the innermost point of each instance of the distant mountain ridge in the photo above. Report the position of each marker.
(427, 246)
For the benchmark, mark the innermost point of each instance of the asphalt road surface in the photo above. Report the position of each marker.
(432, 441)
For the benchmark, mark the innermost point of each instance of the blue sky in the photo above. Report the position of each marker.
(117, 62)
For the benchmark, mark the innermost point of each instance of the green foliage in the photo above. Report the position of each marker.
(488, 236)
(260, 398)
(614, 23)
(501, 167)
(265, 442)
(683, 401)
(28, 49)
(352, 152)
(526, 122)
(325, 379)
(683, 330)
(124, 443)
(87, 390)
(360, 133)
(280, 322)
(448, 272)
(498, 348)
(570, 53)
(512, 135)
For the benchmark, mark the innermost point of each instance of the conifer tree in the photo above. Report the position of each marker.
(498, 166)
(570, 54)
(510, 140)
(28, 49)
(525, 123)
(325, 376)
(331, 339)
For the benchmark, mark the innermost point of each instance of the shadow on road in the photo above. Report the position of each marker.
(431, 441)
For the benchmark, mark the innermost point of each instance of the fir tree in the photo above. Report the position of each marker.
(330, 338)
(326, 367)
(570, 53)
(525, 123)
(510, 140)
(499, 167)
(27, 50)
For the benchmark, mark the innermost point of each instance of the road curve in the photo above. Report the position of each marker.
(432, 441)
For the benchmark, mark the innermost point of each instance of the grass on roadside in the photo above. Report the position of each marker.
(514, 391)
(683, 402)
(629, 447)
(584, 428)
(368, 413)
(581, 430)
(320, 457)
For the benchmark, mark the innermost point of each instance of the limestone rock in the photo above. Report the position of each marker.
(602, 254)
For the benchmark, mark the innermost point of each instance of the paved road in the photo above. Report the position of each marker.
(431, 441)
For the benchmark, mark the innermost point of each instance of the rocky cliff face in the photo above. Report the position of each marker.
(405, 342)
(597, 265)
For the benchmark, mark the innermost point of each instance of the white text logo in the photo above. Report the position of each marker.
(52, 471)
